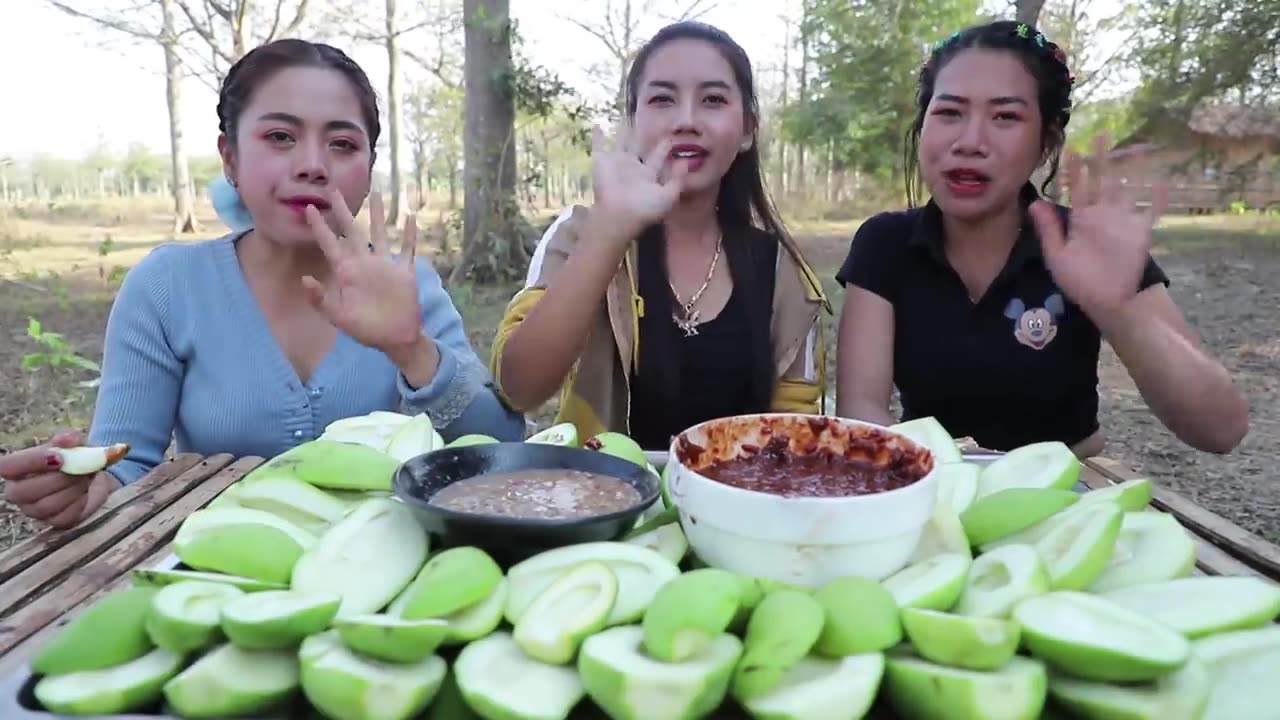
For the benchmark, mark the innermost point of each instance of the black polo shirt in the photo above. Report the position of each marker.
(1017, 367)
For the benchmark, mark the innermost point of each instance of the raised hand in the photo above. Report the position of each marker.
(633, 190)
(1099, 263)
(35, 482)
(368, 295)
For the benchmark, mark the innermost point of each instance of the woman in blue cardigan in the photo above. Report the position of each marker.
(252, 343)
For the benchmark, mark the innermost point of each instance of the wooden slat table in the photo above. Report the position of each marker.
(53, 576)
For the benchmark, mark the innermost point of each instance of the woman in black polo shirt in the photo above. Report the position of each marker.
(986, 306)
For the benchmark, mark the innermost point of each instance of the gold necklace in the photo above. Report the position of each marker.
(687, 318)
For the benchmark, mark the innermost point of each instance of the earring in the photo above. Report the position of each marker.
(234, 184)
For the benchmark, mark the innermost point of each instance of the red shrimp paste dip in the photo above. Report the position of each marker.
(803, 456)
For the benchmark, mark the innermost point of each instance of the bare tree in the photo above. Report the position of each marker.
(619, 30)
(1028, 11)
(493, 247)
(153, 21)
(227, 30)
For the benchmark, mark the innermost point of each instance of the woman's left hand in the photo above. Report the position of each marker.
(368, 295)
(1100, 262)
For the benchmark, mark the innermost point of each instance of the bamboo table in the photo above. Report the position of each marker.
(51, 577)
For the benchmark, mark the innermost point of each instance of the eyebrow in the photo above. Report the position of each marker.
(295, 120)
(705, 84)
(1002, 100)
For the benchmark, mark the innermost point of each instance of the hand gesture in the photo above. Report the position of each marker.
(34, 482)
(368, 295)
(1099, 264)
(635, 191)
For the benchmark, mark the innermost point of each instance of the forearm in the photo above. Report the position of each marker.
(855, 408)
(540, 351)
(1189, 391)
(460, 400)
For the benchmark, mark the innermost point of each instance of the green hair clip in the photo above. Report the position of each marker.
(1023, 30)
(945, 41)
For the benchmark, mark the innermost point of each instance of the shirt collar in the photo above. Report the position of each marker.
(928, 232)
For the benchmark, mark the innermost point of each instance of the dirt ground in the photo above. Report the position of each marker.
(1225, 275)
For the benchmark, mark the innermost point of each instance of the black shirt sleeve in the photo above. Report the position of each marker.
(874, 262)
(1153, 274)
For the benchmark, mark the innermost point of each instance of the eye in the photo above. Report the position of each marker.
(948, 112)
(279, 136)
(657, 99)
(1008, 116)
(344, 144)
(717, 99)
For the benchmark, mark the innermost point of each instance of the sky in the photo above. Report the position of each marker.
(92, 86)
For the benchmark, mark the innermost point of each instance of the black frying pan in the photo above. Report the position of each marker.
(510, 539)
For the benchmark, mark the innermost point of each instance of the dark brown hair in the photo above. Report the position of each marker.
(743, 209)
(1047, 64)
(260, 63)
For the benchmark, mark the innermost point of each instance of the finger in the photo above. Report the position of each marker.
(377, 223)
(18, 465)
(346, 222)
(50, 505)
(1075, 193)
(674, 183)
(1159, 201)
(99, 490)
(599, 143)
(67, 439)
(409, 240)
(621, 136)
(30, 489)
(329, 244)
(72, 514)
(1048, 227)
(1096, 169)
(657, 157)
(316, 294)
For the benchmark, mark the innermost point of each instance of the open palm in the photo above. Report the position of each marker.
(369, 295)
(635, 191)
(1099, 263)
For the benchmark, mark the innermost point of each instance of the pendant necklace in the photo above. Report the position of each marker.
(686, 318)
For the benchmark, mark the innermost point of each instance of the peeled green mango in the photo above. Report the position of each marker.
(618, 445)
(822, 688)
(336, 465)
(933, 584)
(156, 578)
(241, 541)
(783, 628)
(962, 641)
(627, 684)
(576, 605)
(922, 690)
(930, 433)
(301, 503)
(640, 572)
(230, 682)
(1180, 695)
(368, 558)
(128, 687)
(1095, 639)
(277, 620)
(690, 612)
(477, 621)
(1006, 512)
(185, 616)
(342, 684)
(451, 580)
(108, 633)
(500, 682)
(393, 639)
(861, 616)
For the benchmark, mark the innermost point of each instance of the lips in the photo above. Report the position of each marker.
(694, 155)
(966, 182)
(298, 203)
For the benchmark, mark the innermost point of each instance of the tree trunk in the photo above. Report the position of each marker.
(394, 129)
(1029, 11)
(800, 180)
(493, 247)
(184, 215)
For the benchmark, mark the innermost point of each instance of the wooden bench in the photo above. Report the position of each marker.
(54, 575)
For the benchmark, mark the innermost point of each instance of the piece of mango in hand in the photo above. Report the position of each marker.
(89, 460)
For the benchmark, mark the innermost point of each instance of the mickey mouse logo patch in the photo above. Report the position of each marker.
(1035, 327)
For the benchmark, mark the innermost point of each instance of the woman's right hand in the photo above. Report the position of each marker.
(34, 483)
(631, 191)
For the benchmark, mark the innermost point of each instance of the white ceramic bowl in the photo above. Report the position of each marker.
(804, 541)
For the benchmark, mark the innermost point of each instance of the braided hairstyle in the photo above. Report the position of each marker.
(1044, 60)
(262, 62)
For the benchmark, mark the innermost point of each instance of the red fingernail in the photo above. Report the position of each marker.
(53, 460)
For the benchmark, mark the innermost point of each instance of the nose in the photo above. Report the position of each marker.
(309, 163)
(973, 138)
(686, 118)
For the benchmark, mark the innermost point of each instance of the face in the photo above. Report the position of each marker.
(688, 94)
(301, 138)
(981, 136)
